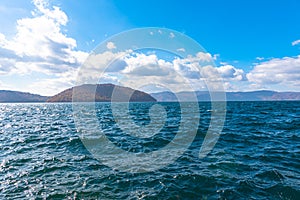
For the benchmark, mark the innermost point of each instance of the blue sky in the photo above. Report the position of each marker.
(257, 40)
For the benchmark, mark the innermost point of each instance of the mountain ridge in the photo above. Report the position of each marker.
(258, 95)
(101, 93)
(10, 96)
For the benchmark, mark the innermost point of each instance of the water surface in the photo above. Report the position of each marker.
(256, 157)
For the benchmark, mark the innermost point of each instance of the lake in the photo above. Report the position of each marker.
(255, 157)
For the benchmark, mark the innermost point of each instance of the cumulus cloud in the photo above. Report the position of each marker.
(138, 70)
(284, 72)
(187, 67)
(146, 65)
(98, 65)
(229, 72)
(40, 45)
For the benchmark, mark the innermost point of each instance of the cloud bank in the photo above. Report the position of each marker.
(41, 46)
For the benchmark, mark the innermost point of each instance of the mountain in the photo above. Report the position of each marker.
(101, 93)
(104, 93)
(7, 96)
(262, 95)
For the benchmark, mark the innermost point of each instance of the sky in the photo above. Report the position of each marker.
(255, 45)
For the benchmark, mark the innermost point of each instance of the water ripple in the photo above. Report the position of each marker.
(256, 157)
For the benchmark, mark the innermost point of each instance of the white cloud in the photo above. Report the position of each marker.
(2, 40)
(181, 50)
(229, 72)
(190, 73)
(138, 70)
(200, 57)
(146, 65)
(40, 45)
(210, 73)
(187, 67)
(260, 58)
(4, 86)
(281, 73)
(53, 85)
(223, 63)
(216, 56)
(171, 35)
(41, 36)
(111, 45)
(296, 42)
(97, 64)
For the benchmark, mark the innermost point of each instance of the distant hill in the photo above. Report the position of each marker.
(263, 95)
(86, 93)
(104, 93)
(7, 96)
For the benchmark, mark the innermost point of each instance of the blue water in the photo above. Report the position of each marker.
(256, 156)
